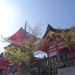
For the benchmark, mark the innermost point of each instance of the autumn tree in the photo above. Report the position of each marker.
(68, 36)
(64, 35)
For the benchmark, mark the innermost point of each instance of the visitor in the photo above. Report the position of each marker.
(10, 70)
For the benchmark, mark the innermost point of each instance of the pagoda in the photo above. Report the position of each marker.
(18, 36)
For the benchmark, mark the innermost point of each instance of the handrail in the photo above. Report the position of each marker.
(46, 65)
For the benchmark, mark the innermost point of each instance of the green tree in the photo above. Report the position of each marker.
(23, 52)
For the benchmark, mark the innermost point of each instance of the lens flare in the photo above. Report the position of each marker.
(5, 15)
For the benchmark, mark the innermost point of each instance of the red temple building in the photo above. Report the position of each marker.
(4, 64)
(19, 36)
(56, 50)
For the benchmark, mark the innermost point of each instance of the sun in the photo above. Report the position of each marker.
(5, 15)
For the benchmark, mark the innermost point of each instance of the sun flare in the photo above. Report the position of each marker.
(5, 15)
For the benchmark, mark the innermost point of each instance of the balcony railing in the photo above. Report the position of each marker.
(62, 57)
(49, 66)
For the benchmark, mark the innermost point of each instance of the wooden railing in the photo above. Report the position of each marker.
(61, 57)
(49, 66)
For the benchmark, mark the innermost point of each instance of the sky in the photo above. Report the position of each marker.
(14, 13)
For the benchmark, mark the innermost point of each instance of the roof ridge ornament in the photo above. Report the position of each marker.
(25, 25)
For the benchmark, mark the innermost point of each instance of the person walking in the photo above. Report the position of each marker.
(10, 70)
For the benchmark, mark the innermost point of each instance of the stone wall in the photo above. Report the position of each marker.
(66, 71)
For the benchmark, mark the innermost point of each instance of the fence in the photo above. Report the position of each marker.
(49, 66)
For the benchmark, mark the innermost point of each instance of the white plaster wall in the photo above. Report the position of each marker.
(52, 53)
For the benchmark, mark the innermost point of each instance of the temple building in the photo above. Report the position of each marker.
(56, 48)
(51, 43)
(19, 36)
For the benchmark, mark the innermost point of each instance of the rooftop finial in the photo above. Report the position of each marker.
(25, 25)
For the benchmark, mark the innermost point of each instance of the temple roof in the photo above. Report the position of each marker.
(21, 34)
(50, 28)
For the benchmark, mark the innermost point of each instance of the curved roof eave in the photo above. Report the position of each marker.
(50, 28)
